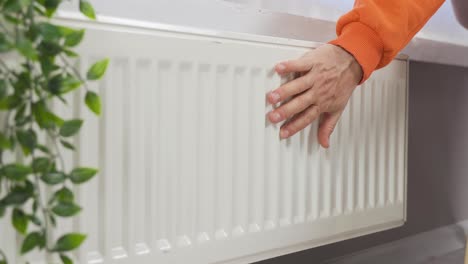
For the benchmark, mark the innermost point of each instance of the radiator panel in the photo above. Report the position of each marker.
(192, 172)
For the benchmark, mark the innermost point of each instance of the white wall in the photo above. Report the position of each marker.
(442, 40)
(215, 15)
(228, 14)
(443, 26)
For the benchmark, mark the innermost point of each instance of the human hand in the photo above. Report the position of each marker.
(329, 77)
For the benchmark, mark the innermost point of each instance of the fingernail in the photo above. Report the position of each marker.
(284, 133)
(274, 97)
(275, 117)
(280, 67)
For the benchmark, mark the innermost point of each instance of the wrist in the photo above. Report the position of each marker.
(364, 44)
(352, 65)
(356, 70)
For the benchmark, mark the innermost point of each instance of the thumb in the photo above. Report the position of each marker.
(326, 127)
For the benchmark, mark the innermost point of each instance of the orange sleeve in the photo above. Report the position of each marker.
(376, 30)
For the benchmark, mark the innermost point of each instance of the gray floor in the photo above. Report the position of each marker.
(456, 257)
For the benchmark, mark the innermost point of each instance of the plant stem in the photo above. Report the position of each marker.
(75, 71)
(37, 184)
(58, 153)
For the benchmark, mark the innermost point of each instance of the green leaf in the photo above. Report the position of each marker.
(20, 112)
(27, 139)
(43, 148)
(63, 84)
(65, 259)
(53, 178)
(87, 9)
(20, 221)
(21, 121)
(51, 6)
(10, 102)
(35, 206)
(41, 164)
(40, 9)
(11, 6)
(74, 38)
(48, 48)
(93, 102)
(16, 197)
(12, 142)
(26, 48)
(69, 83)
(4, 142)
(67, 145)
(3, 88)
(2, 210)
(32, 33)
(70, 127)
(35, 220)
(81, 175)
(45, 118)
(5, 45)
(15, 5)
(16, 171)
(70, 53)
(19, 194)
(22, 83)
(48, 65)
(66, 209)
(97, 70)
(49, 32)
(55, 84)
(64, 195)
(66, 30)
(12, 19)
(69, 242)
(32, 240)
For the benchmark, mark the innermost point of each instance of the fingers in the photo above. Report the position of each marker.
(295, 106)
(299, 65)
(326, 127)
(290, 89)
(300, 121)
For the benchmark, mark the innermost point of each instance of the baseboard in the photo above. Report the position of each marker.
(414, 249)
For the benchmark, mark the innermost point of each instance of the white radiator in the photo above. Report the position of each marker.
(191, 171)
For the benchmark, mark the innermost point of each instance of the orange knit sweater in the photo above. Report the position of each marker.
(376, 30)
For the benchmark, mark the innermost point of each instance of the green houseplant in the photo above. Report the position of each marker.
(36, 58)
